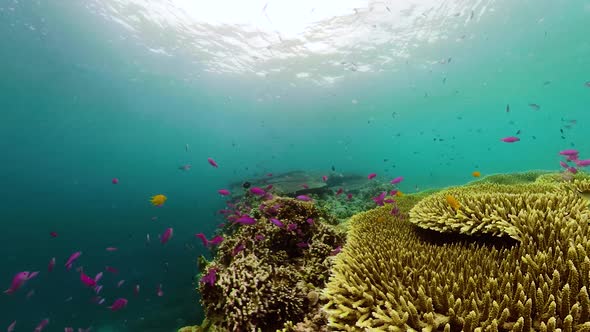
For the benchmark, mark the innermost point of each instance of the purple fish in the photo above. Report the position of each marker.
(257, 191)
(69, 329)
(72, 258)
(379, 199)
(97, 289)
(291, 227)
(371, 176)
(168, 233)
(246, 220)
(582, 163)
(563, 164)
(51, 264)
(237, 249)
(17, 281)
(277, 222)
(98, 276)
(42, 325)
(310, 221)
(395, 211)
(32, 275)
(259, 237)
(389, 200)
(210, 277)
(569, 152)
(336, 251)
(397, 180)
(223, 192)
(217, 239)
(510, 139)
(203, 238)
(572, 170)
(303, 198)
(212, 162)
(302, 245)
(119, 304)
(86, 280)
(11, 327)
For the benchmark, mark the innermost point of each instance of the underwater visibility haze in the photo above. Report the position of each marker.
(145, 143)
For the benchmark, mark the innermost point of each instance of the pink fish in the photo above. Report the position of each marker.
(115, 181)
(216, 240)
(168, 233)
(310, 221)
(349, 196)
(136, 289)
(340, 190)
(246, 220)
(573, 158)
(303, 198)
(120, 283)
(259, 237)
(305, 186)
(292, 227)
(257, 191)
(237, 249)
(371, 176)
(111, 269)
(73, 258)
(572, 170)
(324, 178)
(212, 162)
(302, 245)
(389, 201)
(277, 222)
(11, 327)
(42, 325)
(379, 199)
(336, 251)
(97, 289)
(119, 304)
(582, 163)
(111, 249)
(17, 281)
(563, 164)
(53, 234)
(210, 277)
(86, 280)
(51, 264)
(269, 174)
(98, 276)
(203, 238)
(569, 152)
(510, 139)
(223, 192)
(269, 187)
(32, 275)
(159, 291)
(397, 180)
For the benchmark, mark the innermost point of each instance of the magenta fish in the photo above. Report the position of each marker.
(86, 280)
(72, 259)
(324, 178)
(238, 248)
(11, 327)
(111, 269)
(277, 222)
(269, 187)
(305, 186)
(246, 220)
(210, 277)
(397, 180)
(223, 192)
(51, 264)
(304, 198)
(257, 191)
(310, 221)
(379, 199)
(203, 238)
(302, 245)
(168, 233)
(582, 163)
(42, 325)
(572, 170)
(563, 164)
(349, 196)
(340, 190)
(97, 277)
(17, 281)
(97, 289)
(569, 152)
(510, 139)
(32, 275)
(119, 304)
(111, 249)
(291, 227)
(115, 181)
(212, 162)
(159, 291)
(371, 176)
(216, 240)
(336, 251)
(259, 237)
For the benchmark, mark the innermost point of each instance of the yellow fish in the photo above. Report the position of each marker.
(476, 174)
(158, 200)
(453, 202)
(399, 193)
(381, 219)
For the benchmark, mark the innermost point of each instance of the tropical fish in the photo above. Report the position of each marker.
(217, 239)
(159, 291)
(324, 178)
(119, 304)
(563, 164)
(371, 176)
(136, 289)
(115, 181)
(42, 325)
(246, 220)
(277, 222)
(257, 191)
(569, 152)
(158, 200)
(340, 190)
(167, 235)
(303, 198)
(572, 170)
(111, 249)
(379, 199)
(305, 186)
(11, 327)
(237, 249)
(302, 245)
(97, 289)
(399, 193)
(210, 277)
(582, 163)
(269, 187)
(18, 280)
(534, 106)
(185, 167)
(223, 192)
(259, 237)
(69, 329)
(476, 174)
(292, 227)
(111, 269)
(51, 264)
(336, 251)
(349, 196)
(86, 280)
(120, 283)
(453, 202)
(98, 276)
(510, 139)
(212, 162)
(310, 221)
(53, 234)
(397, 180)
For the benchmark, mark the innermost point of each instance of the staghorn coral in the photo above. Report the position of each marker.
(391, 276)
(268, 281)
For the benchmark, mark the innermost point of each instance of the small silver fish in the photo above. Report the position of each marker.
(535, 107)
(186, 147)
(587, 84)
(185, 168)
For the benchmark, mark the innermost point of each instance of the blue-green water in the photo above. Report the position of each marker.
(83, 100)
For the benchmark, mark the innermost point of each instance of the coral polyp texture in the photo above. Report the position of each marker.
(269, 273)
(394, 276)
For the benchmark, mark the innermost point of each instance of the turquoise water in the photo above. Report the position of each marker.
(83, 100)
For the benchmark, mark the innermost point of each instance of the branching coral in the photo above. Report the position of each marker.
(266, 271)
(390, 277)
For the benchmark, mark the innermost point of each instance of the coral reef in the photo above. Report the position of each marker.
(266, 274)
(393, 276)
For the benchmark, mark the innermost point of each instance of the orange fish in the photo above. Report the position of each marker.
(158, 200)
(453, 202)
(476, 174)
(399, 193)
